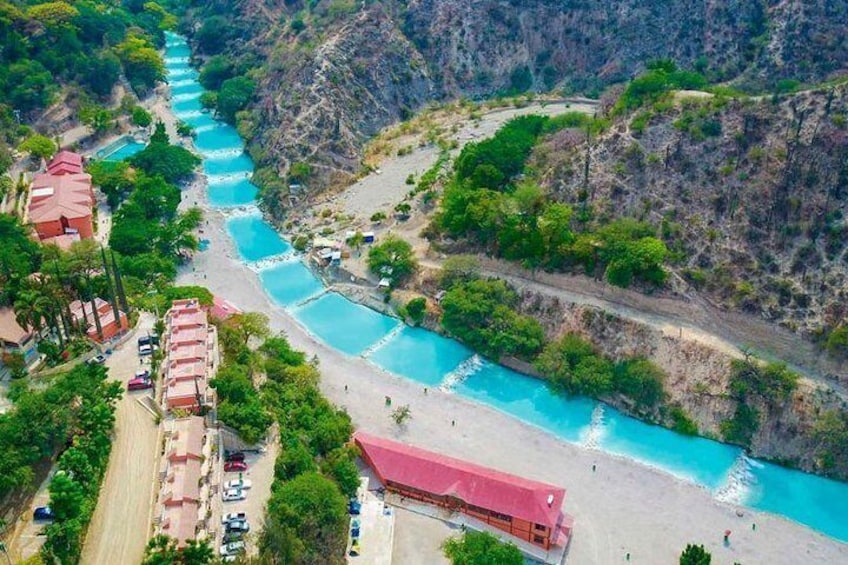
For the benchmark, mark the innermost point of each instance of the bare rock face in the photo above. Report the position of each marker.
(750, 195)
(356, 68)
(321, 107)
(697, 380)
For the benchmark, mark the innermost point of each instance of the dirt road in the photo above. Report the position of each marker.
(121, 524)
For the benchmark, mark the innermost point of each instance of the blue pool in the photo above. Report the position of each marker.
(434, 361)
(125, 150)
(289, 283)
(344, 325)
(254, 238)
(420, 355)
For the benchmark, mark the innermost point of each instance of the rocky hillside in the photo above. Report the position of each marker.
(698, 385)
(333, 72)
(750, 195)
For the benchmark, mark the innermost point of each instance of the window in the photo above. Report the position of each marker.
(538, 539)
(499, 516)
(540, 527)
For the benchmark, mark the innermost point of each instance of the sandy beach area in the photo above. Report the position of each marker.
(623, 507)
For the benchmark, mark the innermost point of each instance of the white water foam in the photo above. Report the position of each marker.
(593, 435)
(740, 479)
(207, 127)
(188, 114)
(383, 341)
(226, 178)
(464, 370)
(311, 298)
(268, 262)
(186, 96)
(180, 72)
(241, 211)
(172, 60)
(183, 82)
(220, 154)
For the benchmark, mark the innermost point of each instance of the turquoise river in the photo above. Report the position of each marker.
(435, 361)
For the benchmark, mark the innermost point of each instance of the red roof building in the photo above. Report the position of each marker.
(61, 200)
(64, 163)
(526, 509)
(181, 502)
(83, 314)
(191, 348)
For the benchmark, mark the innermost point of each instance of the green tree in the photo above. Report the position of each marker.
(141, 117)
(459, 269)
(481, 314)
(416, 309)
(215, 71)
(248, 325)
(313, 508)
(142, 63)
(481, 548)
(695, 555)
(97, 118)
(837, 342)
(392, 259)
(234, 95)
(172, 162)
(38, 146)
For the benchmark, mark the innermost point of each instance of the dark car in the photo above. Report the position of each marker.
(235, 467)
(354, 507)
(234, 456)
(237, 526)
(43, 513)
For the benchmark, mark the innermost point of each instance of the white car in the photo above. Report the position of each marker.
(227, 518)
(233, 494)
(232, 548)
(145, 350)
(242, 484)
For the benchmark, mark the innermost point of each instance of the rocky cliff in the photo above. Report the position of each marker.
(333, 72)
(750, 195)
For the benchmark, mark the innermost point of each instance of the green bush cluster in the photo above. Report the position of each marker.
(573, 365)
(481, 548)
(483, 204)
(306, 519)
(482, 314)
(80, 468)
(393, 259)
(660, 77)
(84, 43)
(756, 388)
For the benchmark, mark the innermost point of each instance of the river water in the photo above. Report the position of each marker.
(435, 361)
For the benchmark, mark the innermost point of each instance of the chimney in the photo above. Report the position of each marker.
(550, 500)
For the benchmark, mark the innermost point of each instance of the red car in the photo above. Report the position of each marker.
(235, 466)
(139, 383)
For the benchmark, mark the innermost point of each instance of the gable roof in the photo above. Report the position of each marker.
(57, 196)
(65, 162)
(473, 484)
(10, 330)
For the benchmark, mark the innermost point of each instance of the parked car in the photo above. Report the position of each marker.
(238, 526)
(354, 548)
(97, 360)
(232, 516)
(242, 484)
(354, 507)
(139, 384)
(235, 466)
(145, 350)
(233, 548)
(233, 494)
(142, 374)
(43, 513)
(233, 456)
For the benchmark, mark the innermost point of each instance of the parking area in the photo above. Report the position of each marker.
(260, 473)
(27, 538)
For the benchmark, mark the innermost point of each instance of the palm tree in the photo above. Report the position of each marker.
(31, 309)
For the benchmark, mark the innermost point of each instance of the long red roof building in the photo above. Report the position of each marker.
(527, 509)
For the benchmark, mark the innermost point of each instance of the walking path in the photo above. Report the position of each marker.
(121, 526)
